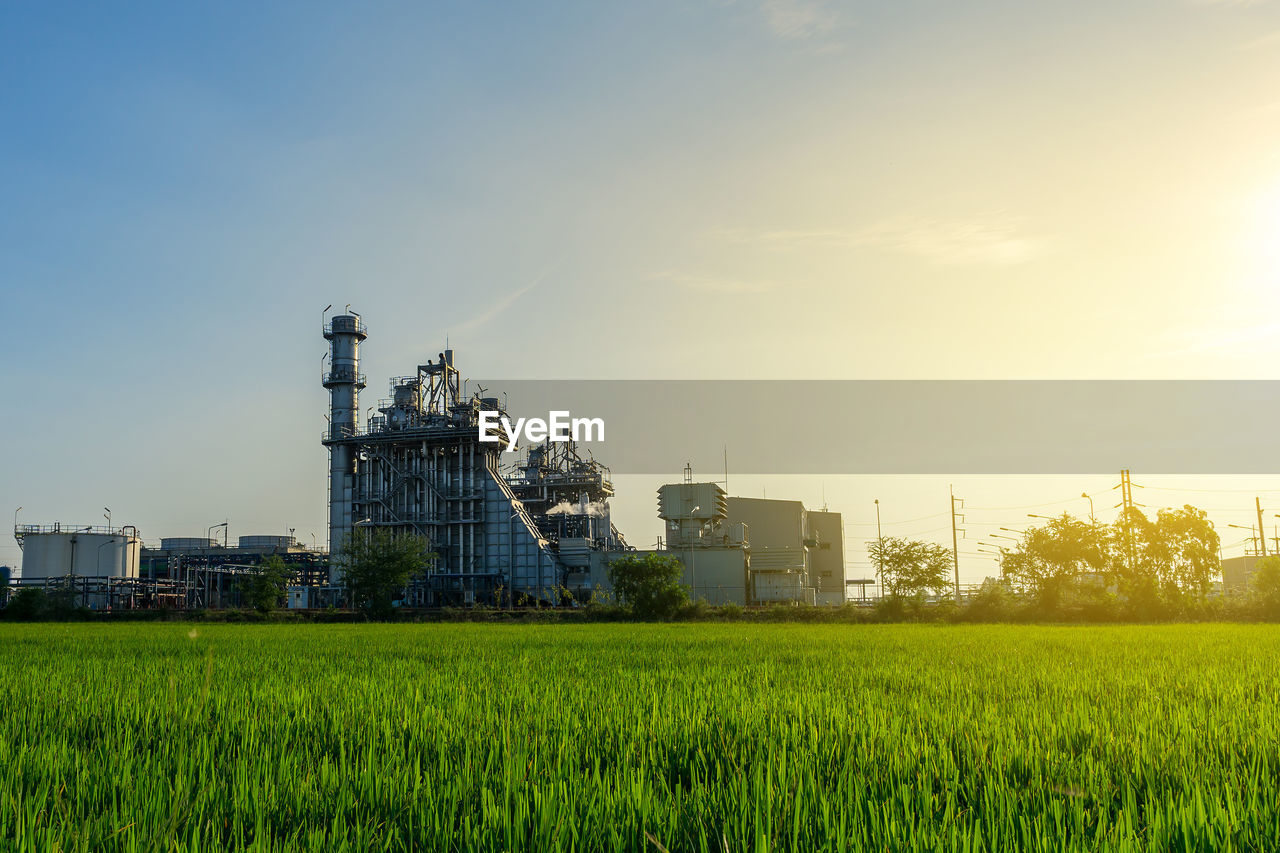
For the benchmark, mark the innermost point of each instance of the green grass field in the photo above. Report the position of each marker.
(685, 737)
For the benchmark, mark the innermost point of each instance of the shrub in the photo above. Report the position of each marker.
(34, 605)
(649, 585)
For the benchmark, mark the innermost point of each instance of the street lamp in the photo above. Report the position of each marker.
(98, 562)
(107, 516)
(1253, 534)
(880, 542)
(998, 536)
(15, 519)
(1047, 517)
(1092, 519)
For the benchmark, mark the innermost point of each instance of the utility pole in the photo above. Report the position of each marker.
(1126, 504)
(955, 540)
(879, 543)
(1262, 531)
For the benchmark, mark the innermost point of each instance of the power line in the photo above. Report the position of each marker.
(907, 521)
(1212, 491)
(1027, 506)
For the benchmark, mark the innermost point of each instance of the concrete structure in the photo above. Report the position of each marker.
(796, 554)
(714, 552)
(419, 467)
(1237, 574)
(748, 550)
(826, 556)
(58, 550)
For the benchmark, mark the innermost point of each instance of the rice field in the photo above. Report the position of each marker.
(639, 737)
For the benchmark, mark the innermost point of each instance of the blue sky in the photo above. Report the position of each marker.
(910, 189)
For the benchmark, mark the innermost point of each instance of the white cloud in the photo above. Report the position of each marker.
(1270, 40)
(495, 308)
(991, 240)
(799, 19)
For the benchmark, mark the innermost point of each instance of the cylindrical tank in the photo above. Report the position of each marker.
(50, 555)
(187, 543)
(266, 543)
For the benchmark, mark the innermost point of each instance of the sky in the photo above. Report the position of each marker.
(704, 188)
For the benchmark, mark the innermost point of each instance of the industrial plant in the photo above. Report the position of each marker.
(534, 532)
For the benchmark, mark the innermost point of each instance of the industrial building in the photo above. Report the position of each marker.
(178, 554)
(532, 533)
(1237, 574)
(537, 530)
(109, 568)
(749, 550)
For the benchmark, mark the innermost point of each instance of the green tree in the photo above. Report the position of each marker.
(1158, 561)
(1055, 556)
(376, 565)
(649, 585)
(910, 567)
(267, 584)
(1264, 586)
(1187, 548)
(1135, 557)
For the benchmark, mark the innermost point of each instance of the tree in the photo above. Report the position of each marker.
(1264, 586)
(909, 567)
(650, 585)
(267, 584)
(1135, 558)
(376, 563)
(1188, 551)
(1173, 555)
(1149, 561)
(1052, 557)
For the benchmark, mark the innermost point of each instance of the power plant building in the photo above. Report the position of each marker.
(505, 528)
(748, 550)
(532, 534)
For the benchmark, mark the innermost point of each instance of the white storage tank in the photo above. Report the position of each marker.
(187, 543)
(57, 550)
(267, 543)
